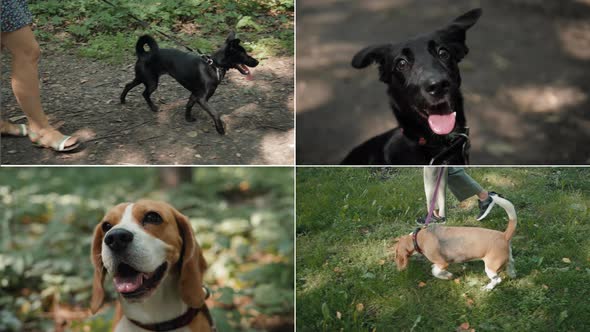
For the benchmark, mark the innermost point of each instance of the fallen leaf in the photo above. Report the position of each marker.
(421, 284)
(338, 315)
(360, 307)
(464, 326)
(545, 286)
(566, 260)
(192, 134)
(381, 261)
(337, 269)
(457, 280)
(470, 302)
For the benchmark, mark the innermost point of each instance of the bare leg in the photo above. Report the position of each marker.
(25, 83)
(219, 125)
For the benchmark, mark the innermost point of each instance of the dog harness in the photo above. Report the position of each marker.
(182, 320)
(415, 240)
(218, 71)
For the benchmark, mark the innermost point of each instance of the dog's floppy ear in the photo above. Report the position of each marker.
(231, 36)
(454, 34)
(380, 54)
(193, 265)
(371, 54)
(99, 270)
(402, 250)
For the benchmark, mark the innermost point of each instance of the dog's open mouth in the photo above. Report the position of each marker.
(134, 284)
(244, 70)
(441, 119)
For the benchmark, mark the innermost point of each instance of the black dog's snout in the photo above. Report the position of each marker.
(118, 239)
(437, 87)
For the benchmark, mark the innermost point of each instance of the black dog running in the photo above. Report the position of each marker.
(199, 74)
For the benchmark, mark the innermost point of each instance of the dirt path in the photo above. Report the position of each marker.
(526, 79)
(84, 95)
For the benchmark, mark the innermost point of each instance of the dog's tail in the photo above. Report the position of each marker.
(509, 208)
(142, 41)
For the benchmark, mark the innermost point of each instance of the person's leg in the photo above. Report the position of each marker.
(463, 186)
(430, 177)
(25, 83)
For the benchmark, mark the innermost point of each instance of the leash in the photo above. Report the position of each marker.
(434, 195)
(461, 140)
(146, 26)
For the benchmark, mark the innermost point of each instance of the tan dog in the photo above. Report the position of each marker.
(444, 245)
(149, 251)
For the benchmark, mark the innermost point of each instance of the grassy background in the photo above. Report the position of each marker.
(346, 279)
(100, 31)
(242, 217)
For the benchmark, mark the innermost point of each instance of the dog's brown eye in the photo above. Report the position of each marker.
(152, 218)
(401, 65)
(443, 54)
(106, 226)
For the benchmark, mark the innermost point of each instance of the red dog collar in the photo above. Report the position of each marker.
(415, 240)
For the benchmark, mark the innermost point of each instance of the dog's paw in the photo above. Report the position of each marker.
(155, 109)
(220, 126)
(492, 284)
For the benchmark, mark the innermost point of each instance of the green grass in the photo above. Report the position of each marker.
(346, 279)
(99, 31)
(242, 217)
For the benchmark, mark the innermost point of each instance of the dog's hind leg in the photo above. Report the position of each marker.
(219, 125)
(510, 268)
(494, 278)
(150, 87)
(128, 87)
(188, 115)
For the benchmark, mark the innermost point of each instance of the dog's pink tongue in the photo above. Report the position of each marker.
(128, 284)
(249, 77)
(442, 124)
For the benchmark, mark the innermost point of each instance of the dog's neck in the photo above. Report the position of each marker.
(164, 304)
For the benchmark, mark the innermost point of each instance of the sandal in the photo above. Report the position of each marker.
(13, 129)
(58, 146)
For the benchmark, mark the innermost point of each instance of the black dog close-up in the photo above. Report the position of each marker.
(423, 85)
(200, 74)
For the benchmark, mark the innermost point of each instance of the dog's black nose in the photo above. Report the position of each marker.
(118, 239)
(437, 87)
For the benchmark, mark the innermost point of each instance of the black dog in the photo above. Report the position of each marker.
(423, 82)
(199, 74)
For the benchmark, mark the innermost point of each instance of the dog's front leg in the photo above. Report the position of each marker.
(441, 272)
(219, 125)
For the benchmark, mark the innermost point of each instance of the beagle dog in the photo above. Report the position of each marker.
(149, 251)
(444, 245)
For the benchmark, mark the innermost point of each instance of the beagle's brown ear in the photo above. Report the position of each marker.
(193, 265)
(403, 249)
(99, 270)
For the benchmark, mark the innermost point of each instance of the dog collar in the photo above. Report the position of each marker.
(182, 320)
(209, 60)
(415, 240)
(178, 322)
